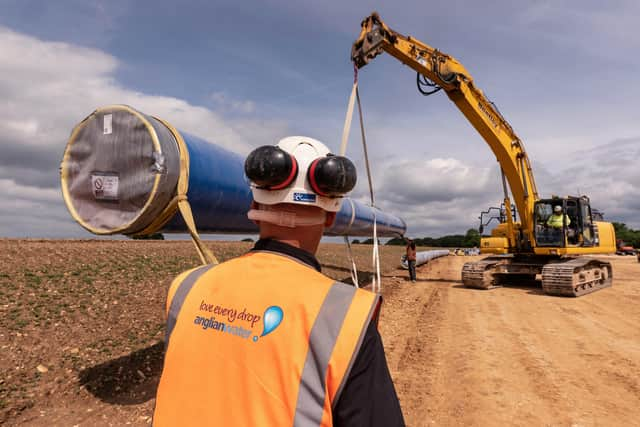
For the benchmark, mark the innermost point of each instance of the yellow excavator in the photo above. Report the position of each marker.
(552, 235)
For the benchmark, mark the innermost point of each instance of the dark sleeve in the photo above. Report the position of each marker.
(368, 397)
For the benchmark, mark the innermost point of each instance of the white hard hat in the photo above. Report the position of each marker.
(299, 170)
(557, 208)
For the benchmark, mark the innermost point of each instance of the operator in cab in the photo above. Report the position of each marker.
(557, 220)
(266, 339)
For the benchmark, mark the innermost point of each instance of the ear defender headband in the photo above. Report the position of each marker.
(271, 167)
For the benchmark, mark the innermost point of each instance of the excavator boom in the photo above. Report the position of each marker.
(446, 72)
(534, 250)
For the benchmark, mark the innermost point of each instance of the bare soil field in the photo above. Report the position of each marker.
(82, 323)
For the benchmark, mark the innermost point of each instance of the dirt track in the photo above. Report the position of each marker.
(509, 356)
(513, 356)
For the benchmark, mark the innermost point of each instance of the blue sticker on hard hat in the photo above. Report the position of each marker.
(304, 197)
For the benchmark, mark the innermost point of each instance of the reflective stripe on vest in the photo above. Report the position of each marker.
(322, 340)
(247, 372)
(179, 297)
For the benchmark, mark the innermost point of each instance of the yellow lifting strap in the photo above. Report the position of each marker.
(180, 202)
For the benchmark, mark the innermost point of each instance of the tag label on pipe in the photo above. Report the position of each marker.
(104, 186)
(107, 127)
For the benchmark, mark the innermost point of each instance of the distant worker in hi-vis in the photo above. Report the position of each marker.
(411, 259)
(266, 339)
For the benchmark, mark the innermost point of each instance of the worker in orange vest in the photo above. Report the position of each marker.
(266, 339)
(411, 259)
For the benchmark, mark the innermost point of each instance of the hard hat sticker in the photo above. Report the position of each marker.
(304, 197)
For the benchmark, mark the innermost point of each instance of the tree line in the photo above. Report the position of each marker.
(469, 240)
(630, 236)
(472, 238)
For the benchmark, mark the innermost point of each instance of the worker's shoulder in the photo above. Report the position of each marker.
(350, 289)
(180, 278)
(277, 261)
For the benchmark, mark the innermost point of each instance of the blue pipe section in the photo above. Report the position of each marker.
(218, 193)
(362, 223)
(424, 257)
(220, 197)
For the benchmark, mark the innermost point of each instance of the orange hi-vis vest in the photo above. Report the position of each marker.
(260, 340)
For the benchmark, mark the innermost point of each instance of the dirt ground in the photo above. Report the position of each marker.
(81, 329)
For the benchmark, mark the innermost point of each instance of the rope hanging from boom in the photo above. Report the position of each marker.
(376, 284)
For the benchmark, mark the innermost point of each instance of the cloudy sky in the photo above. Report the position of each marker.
(243, 74)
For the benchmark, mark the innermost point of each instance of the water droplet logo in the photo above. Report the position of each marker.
(272, 318)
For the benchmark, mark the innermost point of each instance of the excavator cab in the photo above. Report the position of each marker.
(574, 229)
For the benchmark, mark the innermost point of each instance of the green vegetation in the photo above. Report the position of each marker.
(630, 236)
(154, 236)
(369, 241)
(472, 238)
(468, 240)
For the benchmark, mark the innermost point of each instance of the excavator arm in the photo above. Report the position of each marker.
(443, 71)
(551, 257)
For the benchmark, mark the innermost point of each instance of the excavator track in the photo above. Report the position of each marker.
(572, 277)
(576, 277)
(480, 274)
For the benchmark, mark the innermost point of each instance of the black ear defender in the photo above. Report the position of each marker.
(332, 176)
(271, 167)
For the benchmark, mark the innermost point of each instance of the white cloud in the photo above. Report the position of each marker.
(558, 104)
(12, 191)
(610, 176)
(223, 101)
(436, 196)
(433, 180)
(445, 195)
(48, 87)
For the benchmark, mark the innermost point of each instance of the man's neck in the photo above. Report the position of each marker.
(309, 245)
(278, 246)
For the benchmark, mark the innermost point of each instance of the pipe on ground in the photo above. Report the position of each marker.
(423, 257)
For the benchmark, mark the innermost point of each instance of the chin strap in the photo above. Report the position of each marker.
(286, 219)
